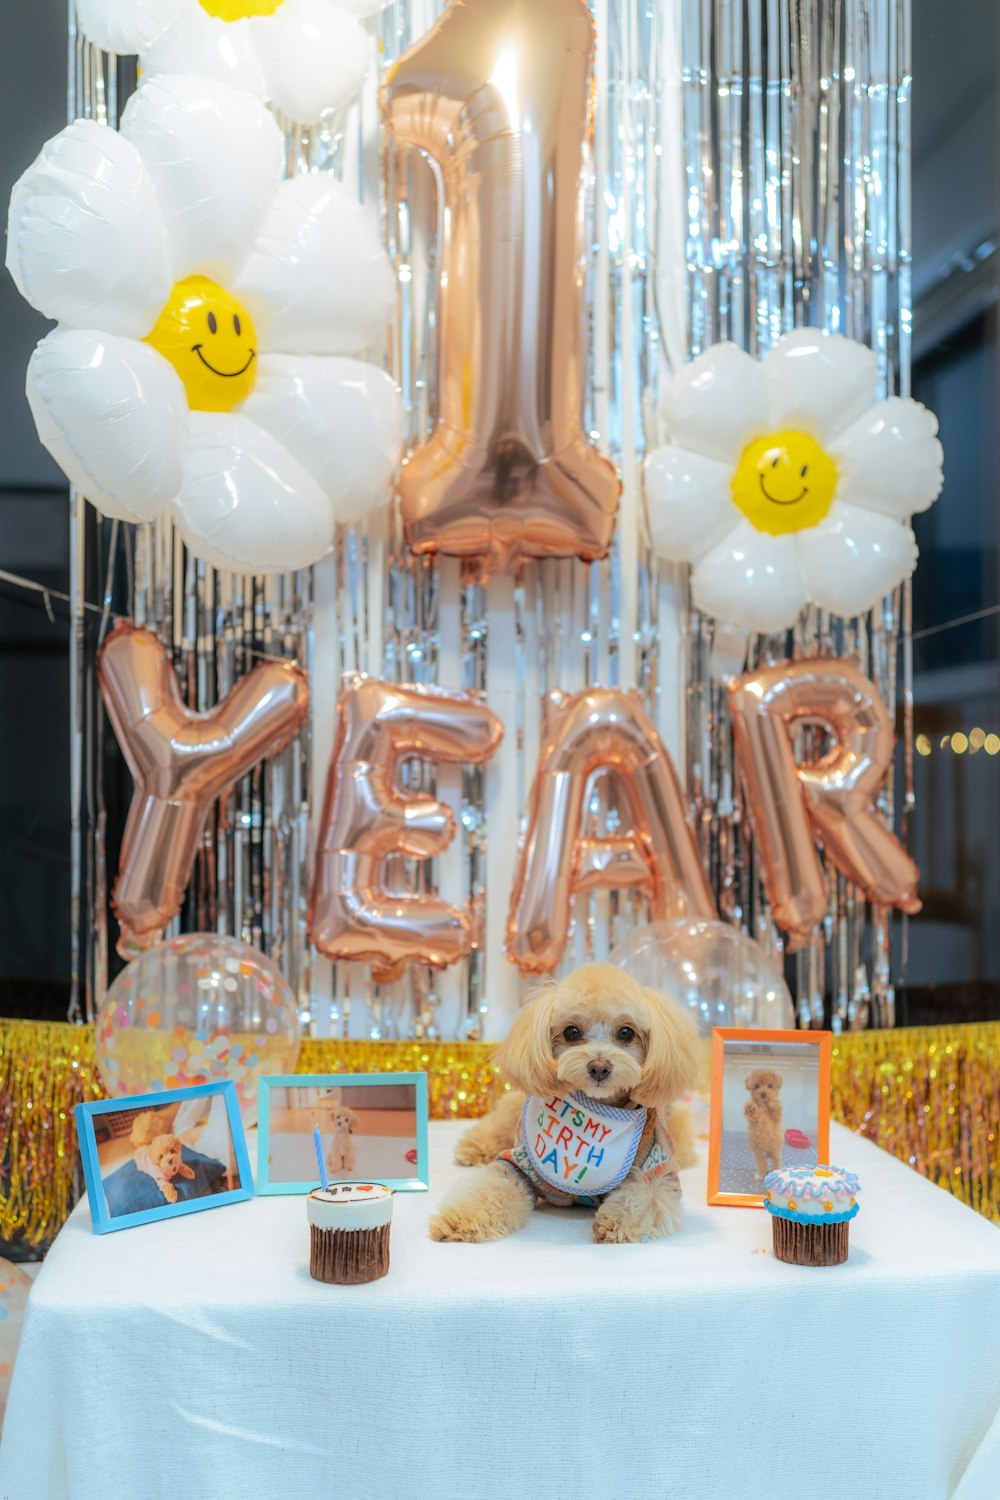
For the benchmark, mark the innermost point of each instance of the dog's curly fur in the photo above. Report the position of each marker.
(763, 1114)
(599, 1033)
(165, 1152)
(340, 1157)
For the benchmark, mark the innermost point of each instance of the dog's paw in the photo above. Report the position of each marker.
(461, 1225)
(170, 1193)
(625, 1221)
(473, 1151)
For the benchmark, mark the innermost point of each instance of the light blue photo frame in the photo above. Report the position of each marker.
(300, 1151)
(103, 1218)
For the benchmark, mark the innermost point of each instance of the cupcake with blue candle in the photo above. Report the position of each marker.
(348, 1227)
(811, 1209)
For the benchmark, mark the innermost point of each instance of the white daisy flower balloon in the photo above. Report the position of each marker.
(208, 317)
(304, 56)
(787, 482)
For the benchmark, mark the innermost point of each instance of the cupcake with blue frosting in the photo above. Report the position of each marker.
(811, 1209)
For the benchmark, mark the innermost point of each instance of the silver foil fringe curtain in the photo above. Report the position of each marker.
(750, 174)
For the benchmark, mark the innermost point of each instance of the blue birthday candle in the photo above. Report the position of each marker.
(318, 1143)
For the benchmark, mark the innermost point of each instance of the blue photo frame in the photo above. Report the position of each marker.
(267, 1179)
(133, 1187)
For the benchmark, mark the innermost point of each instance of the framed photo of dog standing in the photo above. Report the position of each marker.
(372, 1128)
(157, 1156)
(770, 1109)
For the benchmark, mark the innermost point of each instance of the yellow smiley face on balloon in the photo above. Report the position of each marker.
(209, 338)
(239, 10)
(784, 482)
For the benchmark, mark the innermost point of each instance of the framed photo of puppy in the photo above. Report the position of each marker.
(157, 1156)
(372, 1126)
(770, 1108)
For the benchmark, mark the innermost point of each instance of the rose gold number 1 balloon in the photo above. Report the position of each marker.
(498, 93)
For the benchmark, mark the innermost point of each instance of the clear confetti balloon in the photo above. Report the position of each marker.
(15, 1285)
(719, 973)
(197, 1009)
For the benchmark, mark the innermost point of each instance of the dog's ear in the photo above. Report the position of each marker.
(778, 1081)
(674, 1053)
(525, 1056)
(748, 1081)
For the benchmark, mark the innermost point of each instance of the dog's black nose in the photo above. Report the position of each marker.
(600, 1072)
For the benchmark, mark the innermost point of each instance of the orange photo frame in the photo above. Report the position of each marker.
(773, 1049)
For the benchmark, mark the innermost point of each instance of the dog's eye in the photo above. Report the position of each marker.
(573, 1034)
(625, 1034)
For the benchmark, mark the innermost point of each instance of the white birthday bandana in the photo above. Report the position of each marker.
(578, 1145)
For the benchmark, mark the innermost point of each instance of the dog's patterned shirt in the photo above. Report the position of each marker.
(571, 1149)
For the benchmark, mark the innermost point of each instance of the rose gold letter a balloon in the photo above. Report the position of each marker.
(181, 761)
(498, 93)
(367, 821)
(832, 797)
(599, 731)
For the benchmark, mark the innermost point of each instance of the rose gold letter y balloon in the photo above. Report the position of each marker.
(181, 761)
(833, 797)
(367, 821)
(600, 730)
(498, 93)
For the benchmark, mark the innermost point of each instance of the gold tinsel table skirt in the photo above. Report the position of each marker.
(929, 1094)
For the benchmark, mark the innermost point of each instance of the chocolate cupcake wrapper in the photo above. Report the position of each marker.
(348, 1256)
(810, 1245)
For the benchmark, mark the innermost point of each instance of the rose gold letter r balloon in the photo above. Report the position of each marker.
(368, 822)
(498, 93)
(832, 797)
(601, 730)
(181, 761)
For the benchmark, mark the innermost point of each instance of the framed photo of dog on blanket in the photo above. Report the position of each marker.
(157, 1156)
(371, 1127)
(770, 1109)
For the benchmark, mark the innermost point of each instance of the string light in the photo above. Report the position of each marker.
(958, 743)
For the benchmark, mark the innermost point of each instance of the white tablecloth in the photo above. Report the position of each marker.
(196, 1360)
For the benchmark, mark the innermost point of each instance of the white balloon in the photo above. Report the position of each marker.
(215, 155)
(715, 971)
(225, 51)
(126, 26)
(818, 382)
(752, 579)
(85, 235)
(342, 419)
(690, 503)
(890, 459)
(717, 403)
(317, 280)
(361, 8)
(113, 414)
(246, 504)
(315, 57)
(854, 557)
